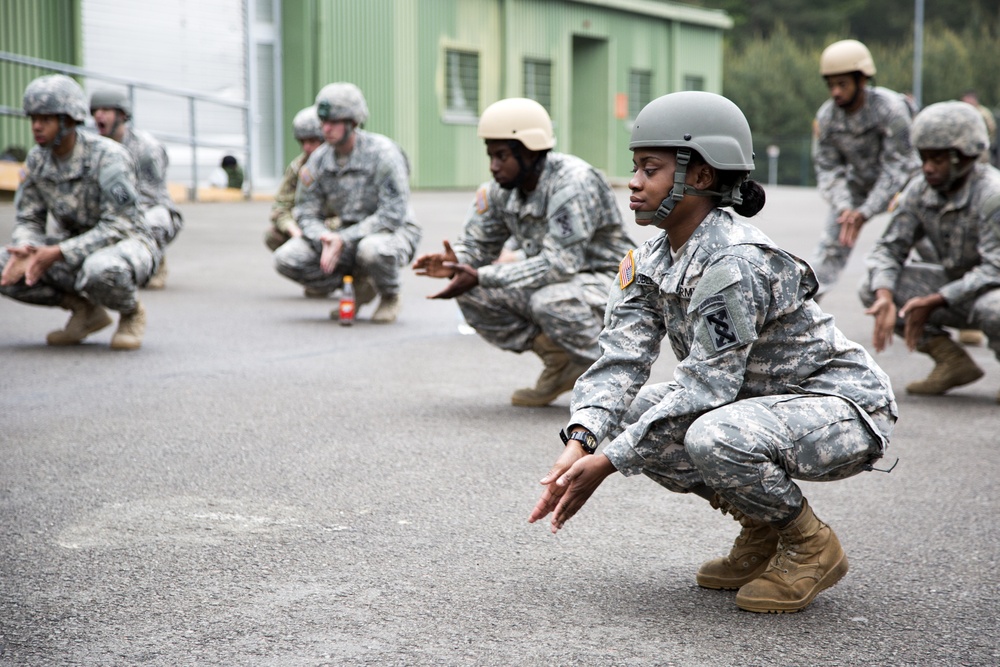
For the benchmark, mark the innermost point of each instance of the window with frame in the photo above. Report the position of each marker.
(692, 82)
(538, 81)
(462, 83)
(640, 90)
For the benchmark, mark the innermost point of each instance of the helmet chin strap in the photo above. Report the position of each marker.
(61, 134)
(681, 188)
(955, 174)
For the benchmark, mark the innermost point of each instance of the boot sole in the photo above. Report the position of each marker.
(835, 574)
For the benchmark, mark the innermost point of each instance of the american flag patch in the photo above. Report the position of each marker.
(482, 202)
(306, 177)
(626, 270)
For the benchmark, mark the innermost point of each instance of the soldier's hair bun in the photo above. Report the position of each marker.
(753, 199)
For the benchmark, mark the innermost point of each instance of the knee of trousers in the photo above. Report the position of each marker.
(720, 448)
(108, 281)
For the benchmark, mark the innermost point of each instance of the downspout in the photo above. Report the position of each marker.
(503, 49)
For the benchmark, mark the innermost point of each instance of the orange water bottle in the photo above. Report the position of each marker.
(347, 302)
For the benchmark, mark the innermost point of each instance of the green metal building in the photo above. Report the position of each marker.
(429, 67)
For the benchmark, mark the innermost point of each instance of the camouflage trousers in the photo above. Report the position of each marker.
(920, 279)
(164, 223)
(377, 257)
(108, 277)
(830, 256)
(571, 314)
(751, 451)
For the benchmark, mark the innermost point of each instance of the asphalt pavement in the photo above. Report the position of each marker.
(258, 485)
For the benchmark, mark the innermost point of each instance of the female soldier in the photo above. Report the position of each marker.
(767, 389)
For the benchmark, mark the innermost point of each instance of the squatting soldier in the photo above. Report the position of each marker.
(861, 152)
(112, 110)
(104, 249)
(955, 207)
(767, 389)
(565, 220)
(363, 179)
(308, 130)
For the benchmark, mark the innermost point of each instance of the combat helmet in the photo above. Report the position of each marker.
(342, 101)
(695, 121)
(109, 98)
(846, 56)
(520, 119)
(950, 125)
(55, 95)
(307, 125)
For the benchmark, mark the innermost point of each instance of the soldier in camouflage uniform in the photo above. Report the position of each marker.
(362, 178)
(955, 206)
(104, 249)
(308, 132)
(767, 390)
(861, 151)
(112, 110)
(564, 218)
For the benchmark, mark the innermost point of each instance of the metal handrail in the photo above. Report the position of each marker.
(191, 96)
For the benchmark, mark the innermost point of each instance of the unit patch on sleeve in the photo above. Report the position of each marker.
(482, 201)
(626, 270)
(722, 331)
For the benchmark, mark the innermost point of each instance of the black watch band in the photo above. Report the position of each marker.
(584, 437)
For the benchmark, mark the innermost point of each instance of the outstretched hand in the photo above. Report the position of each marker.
(916, 312)
(333, 246)
(569, 484)
(434, 265)
(884, 312)
(850, 227)
(465, 278)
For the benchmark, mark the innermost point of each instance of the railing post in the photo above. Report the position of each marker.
(193, 193)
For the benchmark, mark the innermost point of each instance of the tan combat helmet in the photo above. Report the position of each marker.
(846, 56)
(520, 119)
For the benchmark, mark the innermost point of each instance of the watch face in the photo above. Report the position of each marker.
(586, 439)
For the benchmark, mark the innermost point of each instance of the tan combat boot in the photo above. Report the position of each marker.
(953, 367)
(749, 557)
(87, 318)
(159, 279)
(131, 327)
(971, 337)
(558, 376)
(809, 560)
(388, 309)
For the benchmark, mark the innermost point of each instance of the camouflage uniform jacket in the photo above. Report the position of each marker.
(740, 317)
(91, 195)
(370, 192)
(284, 198)
(963, 226)
(570, 223)
(151, 161)
(865, 155)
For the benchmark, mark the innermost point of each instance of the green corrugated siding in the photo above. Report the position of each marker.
(47, 29)
(395, 51)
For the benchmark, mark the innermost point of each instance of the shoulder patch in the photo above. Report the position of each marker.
(724, 333)
(626, 270)
(306, 177)
(482, 200)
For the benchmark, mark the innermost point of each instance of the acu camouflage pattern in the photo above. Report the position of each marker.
(151, 161)
(862, 161)
(284, 198)
(762, 371)
(571, 238)
(107, 247)
(963, 230)
(370, 193)
(954, 125)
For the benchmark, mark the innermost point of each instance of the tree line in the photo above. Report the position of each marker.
(771, 65)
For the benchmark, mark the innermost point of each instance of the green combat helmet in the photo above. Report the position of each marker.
(55, 95)
(953, 126)
(307, 125)
(108, 98)
(342, 101)
(695, 121)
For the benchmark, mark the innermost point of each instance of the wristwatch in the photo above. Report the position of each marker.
(584, 437)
